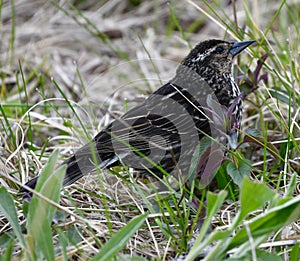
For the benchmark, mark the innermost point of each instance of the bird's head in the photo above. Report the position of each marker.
(214, 54)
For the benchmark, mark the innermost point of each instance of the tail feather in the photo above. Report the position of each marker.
(31, 183)
(76, 169)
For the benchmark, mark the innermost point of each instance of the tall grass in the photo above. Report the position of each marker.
(118, 216)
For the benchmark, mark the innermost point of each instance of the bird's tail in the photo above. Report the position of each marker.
(76, 168)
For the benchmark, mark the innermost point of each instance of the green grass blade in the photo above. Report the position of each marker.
(214, 202)
(7, 255)
(176, 22)
(295, 253)
(251, 203)
(41, 213)
(87, 135)
(13, 32)
(7, 207)
(152, 63)
(119, 240)
(269, 222)
(7, 125)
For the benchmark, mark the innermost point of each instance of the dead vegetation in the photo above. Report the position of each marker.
(98, 54)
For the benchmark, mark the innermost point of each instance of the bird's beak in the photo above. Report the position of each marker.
(237, 47)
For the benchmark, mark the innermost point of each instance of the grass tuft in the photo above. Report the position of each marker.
(68, 69)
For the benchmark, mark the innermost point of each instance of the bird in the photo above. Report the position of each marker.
(160, 135)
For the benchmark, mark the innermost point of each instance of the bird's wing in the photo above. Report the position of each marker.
(167, 123)
(164, 113)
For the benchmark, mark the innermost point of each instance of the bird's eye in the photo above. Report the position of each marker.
(219, 49)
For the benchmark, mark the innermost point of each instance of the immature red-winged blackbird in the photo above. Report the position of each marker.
(163, 132)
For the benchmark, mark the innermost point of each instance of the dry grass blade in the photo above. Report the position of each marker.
(105, 57)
